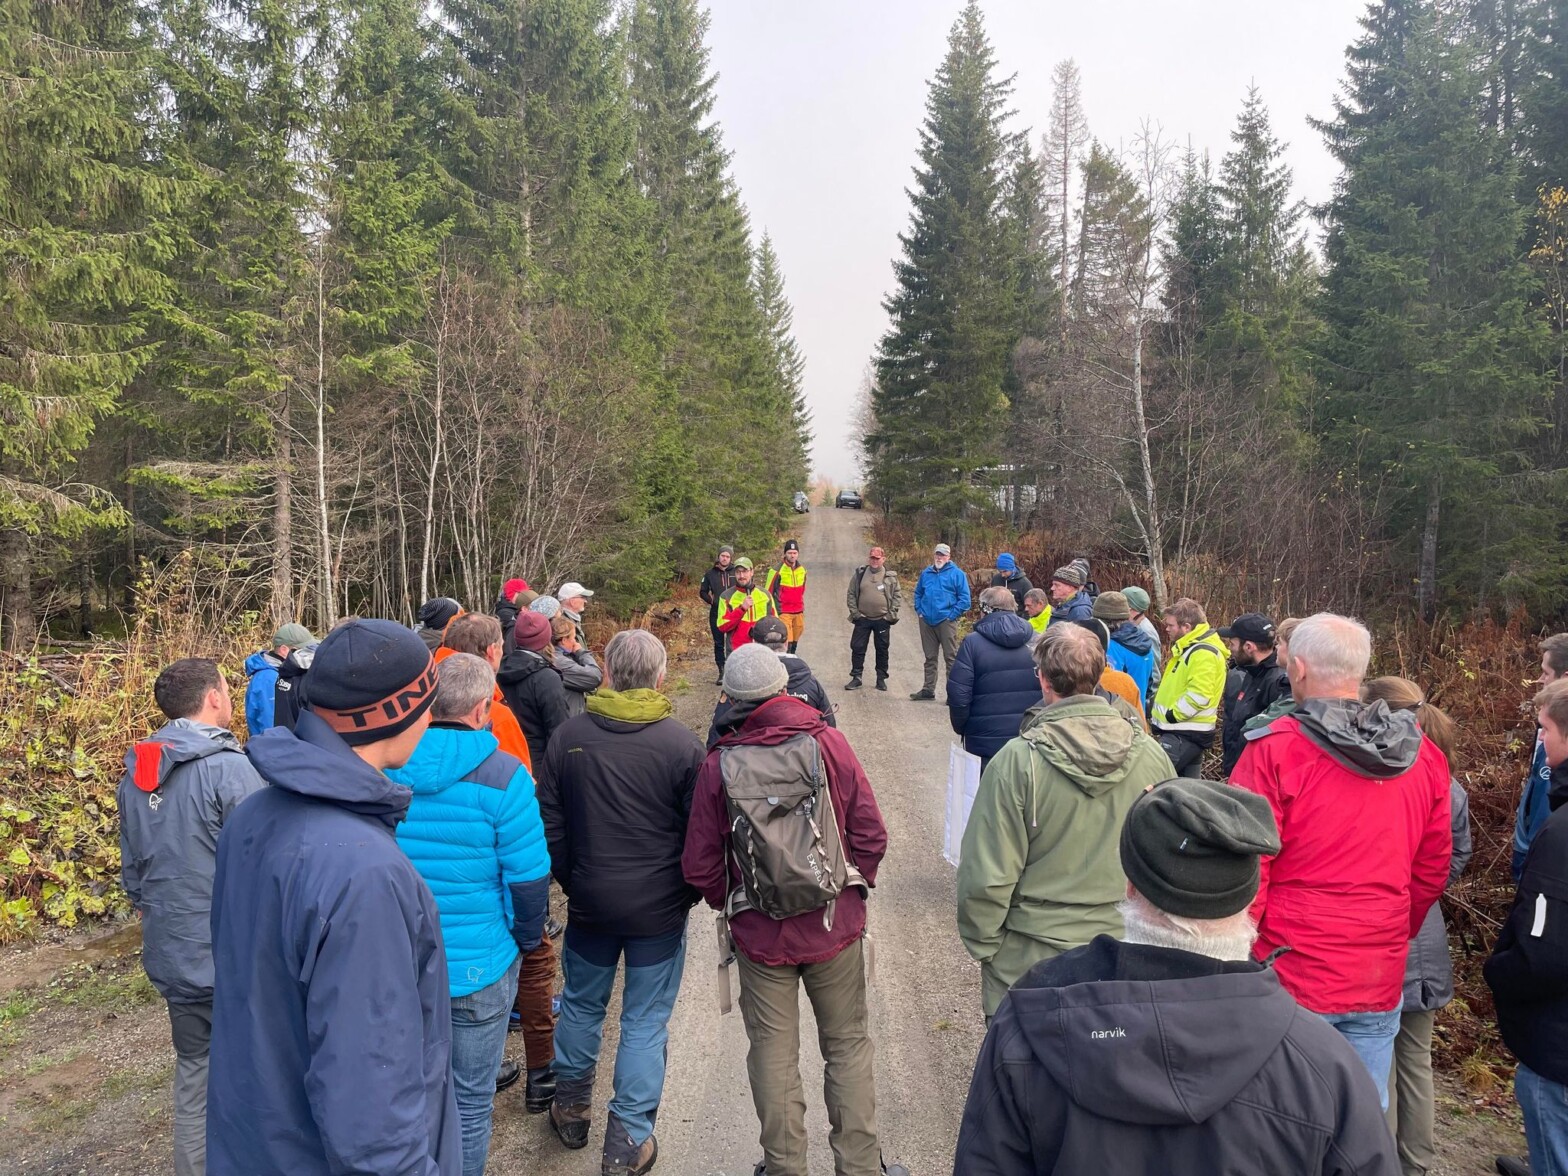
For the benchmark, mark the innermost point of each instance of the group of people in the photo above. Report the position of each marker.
(346, 914)
(1178, 974)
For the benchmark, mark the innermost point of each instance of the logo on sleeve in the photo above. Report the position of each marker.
(1101, 1034)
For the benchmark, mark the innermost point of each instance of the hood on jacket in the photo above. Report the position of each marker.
(770, 722)
(312, 760)
(1557, 789)
(298, 662)
(1007, 629)
(178, 742)
(520, 664)
(630, 706)
(262, 659)
(1133, 638)
(445, 754)
(1085, 740)
(1365, 737)
(1151, 1035)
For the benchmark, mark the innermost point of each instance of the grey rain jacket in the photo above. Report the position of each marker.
(1429, 970)
(581, 676)
(1122, 1058)
(180, 785)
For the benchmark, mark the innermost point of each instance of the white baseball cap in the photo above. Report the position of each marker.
(570, 589)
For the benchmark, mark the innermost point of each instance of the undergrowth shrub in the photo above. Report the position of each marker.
(66, 721)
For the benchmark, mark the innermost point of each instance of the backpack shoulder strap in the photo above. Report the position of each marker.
(495, 771)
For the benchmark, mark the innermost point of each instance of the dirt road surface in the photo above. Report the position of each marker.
(85, 1061)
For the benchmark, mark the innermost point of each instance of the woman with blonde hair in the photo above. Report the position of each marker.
(1429, 972)
(580, 673)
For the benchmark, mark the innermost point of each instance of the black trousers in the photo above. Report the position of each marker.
(865, 630)
(1186, 749)
(720, 640)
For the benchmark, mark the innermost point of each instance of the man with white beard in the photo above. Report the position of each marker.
(1171, 1050)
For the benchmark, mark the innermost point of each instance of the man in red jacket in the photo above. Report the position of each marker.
(1361, 800)
(821, 949)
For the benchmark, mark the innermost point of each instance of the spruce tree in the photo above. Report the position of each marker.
(786, 364)
(80, 262)
(1433, 384)
(939, 403)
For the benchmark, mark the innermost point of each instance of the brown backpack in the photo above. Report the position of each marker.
(784, 835)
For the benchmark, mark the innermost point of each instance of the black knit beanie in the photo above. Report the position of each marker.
(1191, 847)
(438, 613)
(371, 680)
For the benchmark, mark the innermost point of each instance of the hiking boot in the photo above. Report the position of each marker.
(922, 695)
(508, 1074)
(719, 681)
(853, 683)
(894, 1170)
(882, 684)
(553, 928)
(571, 1123)
(540, 1091)
(622, 1157)
(761, 1169)
(1513, 1166)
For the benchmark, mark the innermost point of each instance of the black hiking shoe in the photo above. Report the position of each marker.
(882, 685)
(922, 695)
(571, 1123)
(1513, 1166)
(540, 1091)
(853, 683)
(553, 928)
(508, 1074)
(622, 1157)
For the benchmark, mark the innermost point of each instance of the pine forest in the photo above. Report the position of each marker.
(344, 305)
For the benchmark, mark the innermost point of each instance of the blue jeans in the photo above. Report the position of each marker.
(478, 1045)
(1372, 1036)
(653, 977)
(1545, 1107)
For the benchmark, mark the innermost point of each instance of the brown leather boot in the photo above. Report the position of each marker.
(571, 1123)
(622, 1157)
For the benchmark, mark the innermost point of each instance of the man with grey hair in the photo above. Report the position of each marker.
(1361, 800)
(1172, 1050)
(473, 833)
(615, 788)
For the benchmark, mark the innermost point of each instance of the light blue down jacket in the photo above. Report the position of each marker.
(474, 834)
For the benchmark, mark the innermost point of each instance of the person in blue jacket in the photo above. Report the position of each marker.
(1070, 599)
(1533, 807)
(993, 681)
(331, 1023)
(1131, 650)
(474, 834)
(941, 597)
(262, 669)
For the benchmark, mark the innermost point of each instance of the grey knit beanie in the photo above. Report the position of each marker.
(754, 672)
(547, 606)
(1191, 847)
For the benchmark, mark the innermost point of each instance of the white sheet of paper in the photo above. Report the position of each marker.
(963, 781)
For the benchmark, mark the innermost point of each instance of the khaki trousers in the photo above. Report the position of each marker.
(770, 1006)
(934, 637)
(1412, 1107)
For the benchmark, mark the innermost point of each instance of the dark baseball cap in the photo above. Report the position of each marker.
(1253, 627)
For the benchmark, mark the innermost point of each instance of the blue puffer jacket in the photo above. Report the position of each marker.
(942, 595)
(262, 668)
(474, 834)
(1132, 652)
(993, 683)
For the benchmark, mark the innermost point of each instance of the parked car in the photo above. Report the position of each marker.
(848, 498)
(802, 503)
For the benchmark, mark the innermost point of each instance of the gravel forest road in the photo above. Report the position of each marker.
(925, 1001)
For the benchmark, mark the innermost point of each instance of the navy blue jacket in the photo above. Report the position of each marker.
(331, 1025)
(992, 683)
(1077, 607)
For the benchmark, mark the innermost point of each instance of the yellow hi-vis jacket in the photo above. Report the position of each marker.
(1192, 684)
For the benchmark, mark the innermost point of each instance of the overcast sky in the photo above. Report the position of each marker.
(820, 102)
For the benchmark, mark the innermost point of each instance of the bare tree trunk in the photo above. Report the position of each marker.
(283, 517)
(1426, 583)
(18, 624)
(326, 585)
(1151, 505)
(84, 571)
(435, 458)
(131, 555)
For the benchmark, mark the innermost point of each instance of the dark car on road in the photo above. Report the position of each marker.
(802, 503)
(848, 498)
